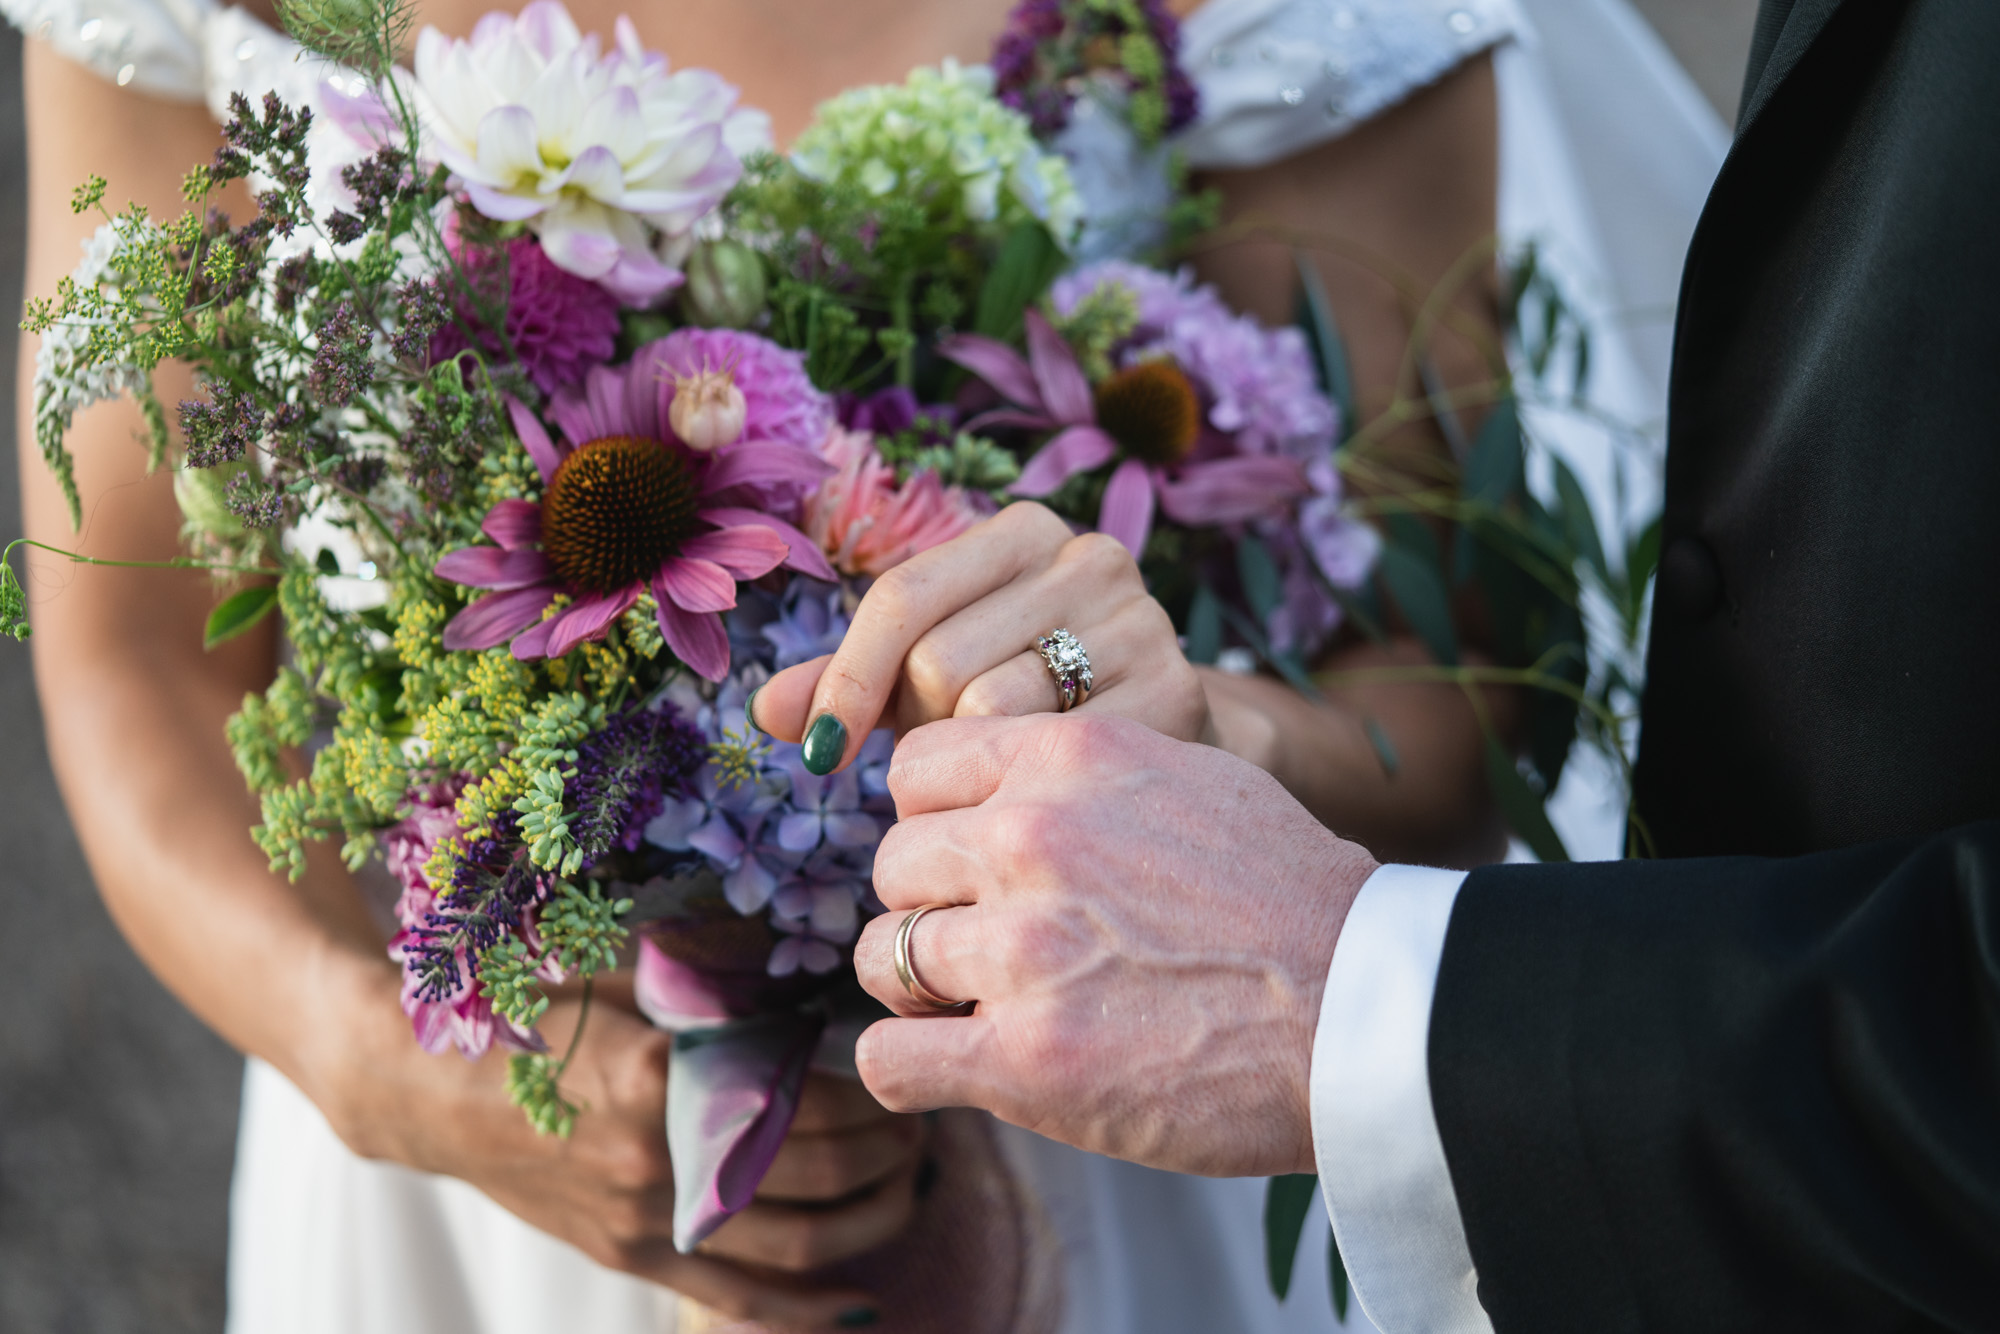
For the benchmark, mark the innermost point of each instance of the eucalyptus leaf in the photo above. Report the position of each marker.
(1287, 1204)
(1315, 317)
(1336, 1278)
(1580, 521)
(1385, 749)
(238, 612)
(1420, 595)
(1287, 665)
(1262, 584)
(1204, 626)
(1522, 808)
(1029, 261)
(1496, 469)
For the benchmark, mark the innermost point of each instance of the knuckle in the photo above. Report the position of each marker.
(637, 1164)
(1099, 557)
(896, 596)
(625, 1222)
(1027, 832)
(982, 699)
(1034, 516)
(931, 672)
(1036, 945)
(1092, 741)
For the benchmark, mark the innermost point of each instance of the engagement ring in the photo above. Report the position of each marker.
(1063, 653)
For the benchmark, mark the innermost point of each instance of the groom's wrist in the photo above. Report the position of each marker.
(1348, 867)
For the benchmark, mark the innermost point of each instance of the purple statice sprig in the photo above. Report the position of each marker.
(1051, 47)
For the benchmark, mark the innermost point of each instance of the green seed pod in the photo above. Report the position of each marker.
(725, 286)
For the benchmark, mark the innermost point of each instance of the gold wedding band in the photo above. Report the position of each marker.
(906, 972)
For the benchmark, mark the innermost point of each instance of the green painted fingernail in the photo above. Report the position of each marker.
(750, 711)
(825, 744)
(858, 1318)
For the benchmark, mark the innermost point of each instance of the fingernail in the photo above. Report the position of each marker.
(825, 744)
(858, 1318)
(750, 710)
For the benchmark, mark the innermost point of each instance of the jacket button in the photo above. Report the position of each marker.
(1691, 578)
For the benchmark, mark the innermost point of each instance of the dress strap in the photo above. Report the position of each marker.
(1279, 76)
(182, 50)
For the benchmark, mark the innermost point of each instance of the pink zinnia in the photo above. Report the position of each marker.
(866, 522)
(628, 507)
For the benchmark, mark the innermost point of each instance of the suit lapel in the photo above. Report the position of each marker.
(1802, 26)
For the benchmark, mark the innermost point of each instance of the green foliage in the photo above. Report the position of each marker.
(239, 613)
(1287, 1204)
(739, 757)
(532, 1085)
(507, 975)
(970, 461)
(546, 825)
(1029, 260)
(1336, 1278)
(582, 928)
(1104, 317)
(13, 599)
(360, 34)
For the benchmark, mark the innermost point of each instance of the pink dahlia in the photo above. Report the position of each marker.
(866, 522)
(558, 324)
(628, 507)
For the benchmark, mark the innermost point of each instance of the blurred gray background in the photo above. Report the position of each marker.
(117, 1109)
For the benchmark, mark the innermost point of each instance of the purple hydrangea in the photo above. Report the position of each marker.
(786, 842)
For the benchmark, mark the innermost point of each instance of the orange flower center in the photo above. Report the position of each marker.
(1151, 410)
(615, 510)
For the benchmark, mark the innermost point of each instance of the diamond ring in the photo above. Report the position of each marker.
(1063, 654)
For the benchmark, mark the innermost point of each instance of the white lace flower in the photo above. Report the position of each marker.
(607, 156)
(77, 363)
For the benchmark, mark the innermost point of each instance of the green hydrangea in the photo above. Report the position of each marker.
(942, 139)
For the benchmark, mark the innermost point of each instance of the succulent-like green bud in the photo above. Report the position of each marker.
(725, 286)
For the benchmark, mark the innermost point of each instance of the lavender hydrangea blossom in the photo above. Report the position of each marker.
(783, 841)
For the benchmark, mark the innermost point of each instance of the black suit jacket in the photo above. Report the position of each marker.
(1755, 1085)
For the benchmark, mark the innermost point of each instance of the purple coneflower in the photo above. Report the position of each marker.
(629, 506)
(1149, 412)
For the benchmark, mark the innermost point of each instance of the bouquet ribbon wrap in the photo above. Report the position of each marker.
(979, 1258)
(733, 1081)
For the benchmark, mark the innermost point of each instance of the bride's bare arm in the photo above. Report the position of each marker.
(296, 974)
(1401, 207)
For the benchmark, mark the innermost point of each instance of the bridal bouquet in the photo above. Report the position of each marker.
(552, 412)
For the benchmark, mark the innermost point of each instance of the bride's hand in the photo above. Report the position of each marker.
(951, 633)
(844, 1182)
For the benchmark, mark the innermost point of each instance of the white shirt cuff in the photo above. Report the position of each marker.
(1381, 1161)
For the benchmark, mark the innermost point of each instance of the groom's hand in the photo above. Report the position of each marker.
(1146, 925)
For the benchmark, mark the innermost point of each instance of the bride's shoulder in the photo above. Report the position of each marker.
(185, 50)
(1279, 76)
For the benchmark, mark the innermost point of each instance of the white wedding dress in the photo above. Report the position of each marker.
(1606, 154)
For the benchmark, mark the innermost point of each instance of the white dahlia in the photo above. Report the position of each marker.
(607, 156)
